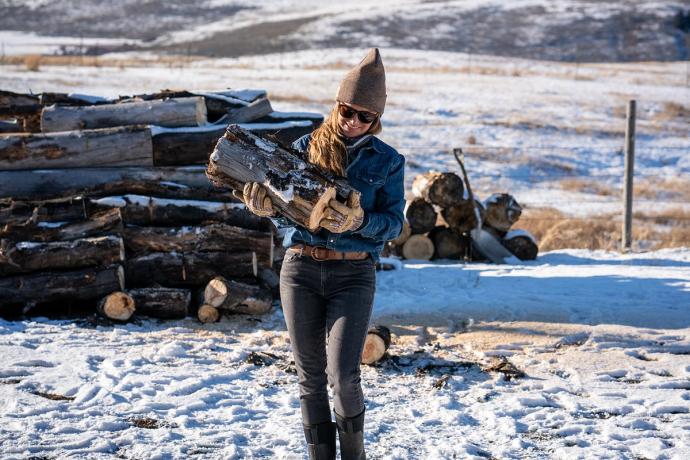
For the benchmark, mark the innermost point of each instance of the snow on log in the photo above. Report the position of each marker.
(182, 182)
(376, 344)
(420, 215)
(419, 247)
(447, 243)
(298, 190)
(522, 244)
(502, 211)
(442, 189)
(82, 284)
(185, 111)
(31, 256)
(106, 222)
(118, 306)
(163, 303)
(123, 146)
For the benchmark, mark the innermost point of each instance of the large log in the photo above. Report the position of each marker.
(442, 189)
(502, 211)
(18, 104)
(126, 146)
(420, 215)
(106, 222)
(163, 303)
(298, 189)
(255, 110)
(461, 217)
(83, 284)
(236, 297)
(207, 238)
(447, 243)
(184, 182)
(11, 126)
(31, 256)
(189, 269)
(118, 306)
(418, 247)
(522, 244)
(187, 111)
(193, 145)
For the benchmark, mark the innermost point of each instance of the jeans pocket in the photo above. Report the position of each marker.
(367, 263)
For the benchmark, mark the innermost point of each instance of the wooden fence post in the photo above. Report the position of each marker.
(628, 184)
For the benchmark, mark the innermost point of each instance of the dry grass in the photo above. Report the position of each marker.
(32, 63)
(663, 189)
(95, 61)
(673, 111)
(586, 186)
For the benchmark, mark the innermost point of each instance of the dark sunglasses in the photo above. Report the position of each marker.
(363, 116)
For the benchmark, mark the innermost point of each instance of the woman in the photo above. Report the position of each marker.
(328, 277)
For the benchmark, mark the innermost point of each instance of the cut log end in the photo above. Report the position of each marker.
(118, 306)
(376, 344)
(208, 314)
(418, 247)
(216, 291)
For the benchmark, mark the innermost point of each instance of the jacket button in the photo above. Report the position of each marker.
(371, 180)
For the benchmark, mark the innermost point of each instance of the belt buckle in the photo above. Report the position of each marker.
(313, 255)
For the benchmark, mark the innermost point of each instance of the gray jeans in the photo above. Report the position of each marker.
(327, 307)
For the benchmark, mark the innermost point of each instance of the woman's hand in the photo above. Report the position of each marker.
(339, 218)
(256, 199)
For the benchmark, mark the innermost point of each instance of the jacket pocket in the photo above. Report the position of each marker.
(371, 178)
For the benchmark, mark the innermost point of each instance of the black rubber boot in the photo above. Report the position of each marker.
(320, 440)
(351, 436)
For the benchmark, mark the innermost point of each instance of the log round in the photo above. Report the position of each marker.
(418, 247)
(502, 211)
(421, 216)
(236, 297)
(461, 217)
(208, 314)
(118, 306)
(163, 303)
(442, 189)
(447, 243)
(376, 344)
(523, 247)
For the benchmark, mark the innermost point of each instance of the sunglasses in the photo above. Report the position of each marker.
(363, 116)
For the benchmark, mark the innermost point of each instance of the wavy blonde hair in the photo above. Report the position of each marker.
(326, 147)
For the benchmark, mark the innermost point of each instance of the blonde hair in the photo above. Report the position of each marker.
(326, 147)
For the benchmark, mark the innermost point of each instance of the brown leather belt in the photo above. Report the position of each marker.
(320, 254)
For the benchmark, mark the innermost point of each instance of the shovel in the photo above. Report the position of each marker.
(487, 244)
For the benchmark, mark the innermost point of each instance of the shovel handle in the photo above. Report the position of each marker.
(459, 155)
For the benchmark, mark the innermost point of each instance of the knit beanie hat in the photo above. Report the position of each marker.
(365, 85)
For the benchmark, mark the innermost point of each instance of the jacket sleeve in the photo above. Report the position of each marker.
(386, 222)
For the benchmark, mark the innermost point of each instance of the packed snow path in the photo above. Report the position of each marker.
(604, 340)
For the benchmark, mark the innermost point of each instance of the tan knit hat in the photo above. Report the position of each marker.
(365, 85)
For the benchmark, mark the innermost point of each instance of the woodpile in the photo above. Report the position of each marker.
(106, 202)
(440, 217)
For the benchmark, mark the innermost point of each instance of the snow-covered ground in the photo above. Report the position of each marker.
(603, 339)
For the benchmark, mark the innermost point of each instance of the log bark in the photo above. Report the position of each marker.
(420, 215)
(129, 146)
(70, 209)
(523, 246)
(12, 104)
(212, 237)
(236, 297)
(188, 269)
(447, 244)
(118, 306)
(418, 247)
(255, 110)
(13, 126)
(107, 222)
(297, 189)
(502, 211)
(183, 182)
(30, 256)
(83, 284)
(376, 344)
(461, 217)
(163, 303)
(442, 189)
(187, 111)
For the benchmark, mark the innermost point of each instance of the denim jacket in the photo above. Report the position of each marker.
(377, 172)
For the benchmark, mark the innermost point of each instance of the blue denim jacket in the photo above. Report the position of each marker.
(377, 172)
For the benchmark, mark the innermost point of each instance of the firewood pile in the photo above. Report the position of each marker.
(440, 217)
(105, 202)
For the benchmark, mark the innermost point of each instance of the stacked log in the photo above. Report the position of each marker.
(440, 217)
(106, 202)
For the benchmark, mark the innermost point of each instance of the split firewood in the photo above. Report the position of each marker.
(205, 238)
(236, 297)
(12, 104)
(297, 189)
(502, 211)
(118, 306)
(404, 234)
(421, 216)
(376, 344)
(32, 256)
(123, 146)
(82, 284)
(257, 109)
(163, 303)
(188, 182)
(103, 223)
(522, 244)
(418, 247)
(461, 217)
(70, 209)
(173, 269)
(208, 314)
(185, 111)
(447, 243)
(442, 189)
